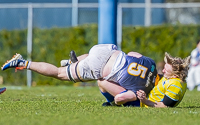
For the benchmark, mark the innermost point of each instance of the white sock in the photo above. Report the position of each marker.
(28, 65)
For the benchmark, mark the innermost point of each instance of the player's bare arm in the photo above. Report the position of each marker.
(142, 96)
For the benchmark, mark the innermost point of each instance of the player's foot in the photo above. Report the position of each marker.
(16, 62)
(106, 104)
(110, 104)
(2, 90)
(72, 59)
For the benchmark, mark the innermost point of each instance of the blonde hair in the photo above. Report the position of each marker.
(179, 66)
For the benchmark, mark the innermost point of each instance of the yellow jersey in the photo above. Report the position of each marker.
(173, 88)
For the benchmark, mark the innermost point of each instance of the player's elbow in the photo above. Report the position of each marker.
(160, 105)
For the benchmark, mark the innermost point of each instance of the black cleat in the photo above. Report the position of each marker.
(106, 104)
(109, 104)
(72, 59)
(73, 56)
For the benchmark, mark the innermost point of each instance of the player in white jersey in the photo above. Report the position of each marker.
(133, 72)
(193, 78)
(104, 62)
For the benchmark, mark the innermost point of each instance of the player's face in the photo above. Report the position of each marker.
(167, 71)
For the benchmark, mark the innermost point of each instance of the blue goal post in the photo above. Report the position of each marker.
(107, 22)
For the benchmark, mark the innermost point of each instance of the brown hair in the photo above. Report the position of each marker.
(179, 66)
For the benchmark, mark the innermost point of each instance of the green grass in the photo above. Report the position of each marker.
(82, 106)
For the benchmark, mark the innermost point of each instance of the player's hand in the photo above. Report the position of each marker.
(141, 95)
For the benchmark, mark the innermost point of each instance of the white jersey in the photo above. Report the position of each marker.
(195, 57)
(91, 67)
(193, 78)
(130, 72)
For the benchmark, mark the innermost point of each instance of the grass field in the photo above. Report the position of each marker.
(82, 106)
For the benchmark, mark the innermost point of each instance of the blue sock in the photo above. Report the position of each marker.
(108, 96)
(135, 103)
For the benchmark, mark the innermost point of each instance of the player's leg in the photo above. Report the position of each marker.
(127, 98)
(49, 70)
(110, 87)
(40, 67)
(68, 62)
(68, 73)
(116, 94)
(106, 90)
(82, 57)
(73, 59)
(197, 78)
(190, 79)
(16, 61)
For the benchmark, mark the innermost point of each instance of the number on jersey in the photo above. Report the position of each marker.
(137, 69)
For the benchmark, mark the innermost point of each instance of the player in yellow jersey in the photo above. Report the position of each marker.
(167, 92)
(171, 87)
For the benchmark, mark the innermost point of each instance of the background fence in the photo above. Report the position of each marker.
(48, 15)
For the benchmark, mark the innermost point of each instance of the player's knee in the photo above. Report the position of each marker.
(120, 99)
(99, 82)
(100, 85)
(62, 73)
